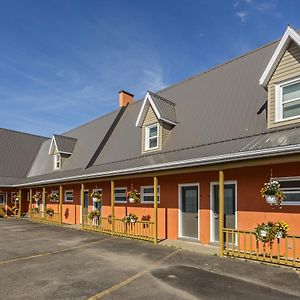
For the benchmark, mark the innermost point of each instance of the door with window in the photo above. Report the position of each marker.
(86, 203)
(189, 211)
(229, 209)
(2, 200)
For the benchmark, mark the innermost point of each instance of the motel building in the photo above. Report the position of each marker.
(186, 162)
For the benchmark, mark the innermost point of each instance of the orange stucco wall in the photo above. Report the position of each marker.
(251, 208)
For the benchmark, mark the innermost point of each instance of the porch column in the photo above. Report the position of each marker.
(60, 204)
(82, 204)
(30, 202)
(20, 204)
(44, 201)
(221, 211)
(112, 201)
(155, 210)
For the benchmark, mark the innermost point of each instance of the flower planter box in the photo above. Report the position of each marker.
(95, 199)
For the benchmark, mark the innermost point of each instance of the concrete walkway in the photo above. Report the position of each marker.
(191, 246)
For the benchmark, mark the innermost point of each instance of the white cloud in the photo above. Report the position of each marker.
(242, 15)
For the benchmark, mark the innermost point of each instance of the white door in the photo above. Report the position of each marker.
(188, 211)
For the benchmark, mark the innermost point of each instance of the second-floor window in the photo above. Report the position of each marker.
(288, 100)
(151, 136)
(57, 161)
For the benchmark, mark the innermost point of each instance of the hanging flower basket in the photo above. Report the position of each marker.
(37, 197)
(131, 218)
(271, 199)
(96, 196)
(50, 212)
(95, 214)
(272, 193)
(133, 196)
(53, 197)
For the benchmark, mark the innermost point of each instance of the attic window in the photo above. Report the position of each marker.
(151, 137)
(57, 161)
(288, 100)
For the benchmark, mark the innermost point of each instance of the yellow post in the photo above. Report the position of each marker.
(112, 201)
(155, 210)
(221, 211)
(44, 202)
(20, 204)
(30, 202)
(82, 204)
(60, 204)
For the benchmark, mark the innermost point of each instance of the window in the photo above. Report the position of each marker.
(288, 100)
(291, 189)
(69, 196)
(57, 161)
(151, 136)
(147, 194)
(120, 195)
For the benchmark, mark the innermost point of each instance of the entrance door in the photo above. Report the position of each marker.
(2, 200)
(189, 211)
(86, 203)
(229, 209)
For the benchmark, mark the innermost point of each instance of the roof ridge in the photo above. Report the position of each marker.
(218, 66)
(64, 136)
(162, 98)
(201, 145)
(25, 133)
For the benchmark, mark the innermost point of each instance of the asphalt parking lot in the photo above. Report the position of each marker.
(48, 262)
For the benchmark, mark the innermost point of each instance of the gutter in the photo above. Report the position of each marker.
(177, 164)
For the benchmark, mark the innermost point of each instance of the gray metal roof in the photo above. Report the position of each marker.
(64, 144)
(17, 152)
(221, 114)
(165, 107)
(88, 136)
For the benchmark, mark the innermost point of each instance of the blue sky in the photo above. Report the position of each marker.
(63, 62)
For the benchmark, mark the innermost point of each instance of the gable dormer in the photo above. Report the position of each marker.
(157, 117)
(281, 78)
(61, 148)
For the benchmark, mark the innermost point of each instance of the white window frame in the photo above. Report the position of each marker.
(120, 187)
(147, 137)
(279, 98)
(286, 190)
(149, 194)
(65, 195)
(57, 161)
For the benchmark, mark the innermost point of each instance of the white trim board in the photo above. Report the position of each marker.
(180, 185)
(289, 35)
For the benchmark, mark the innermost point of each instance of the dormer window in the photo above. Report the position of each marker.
(57, 161)
(288, 100)
(151, 135)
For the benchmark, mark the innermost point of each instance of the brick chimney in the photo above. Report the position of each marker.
(125, 98)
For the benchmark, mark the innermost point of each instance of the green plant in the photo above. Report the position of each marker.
(37, 196)
(131, 218)
(35, 210)
(134, 194)
(50, 211)
(281, 229)
(97, 195)
(272, 188)
(94, 214)
(53, 197)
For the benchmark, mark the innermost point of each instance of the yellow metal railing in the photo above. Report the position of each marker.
(43, 217)
(243, 244)
(142, 230)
